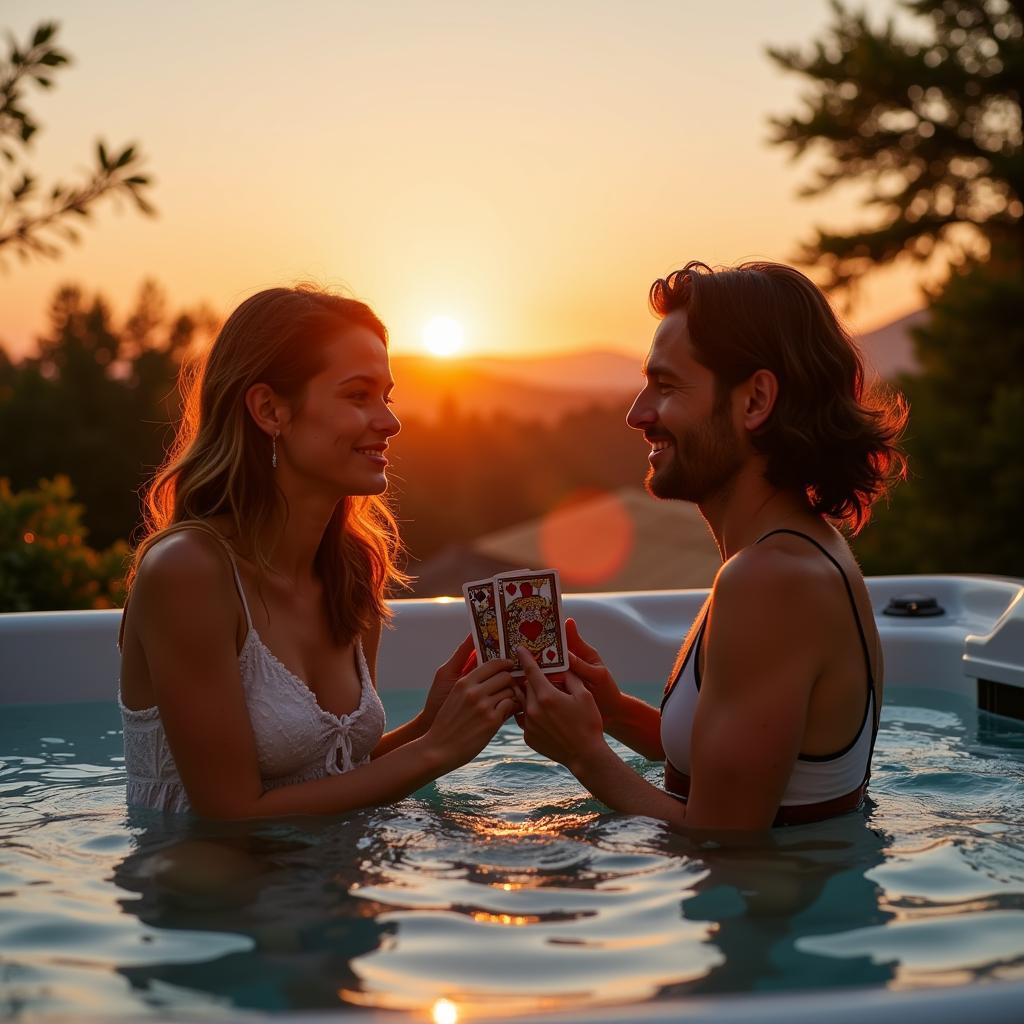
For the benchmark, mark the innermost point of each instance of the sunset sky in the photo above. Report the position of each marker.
(524, 169)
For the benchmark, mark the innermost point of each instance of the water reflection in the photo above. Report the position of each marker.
(767, 894)
(504, 888)
(283, 887)
(562, 906)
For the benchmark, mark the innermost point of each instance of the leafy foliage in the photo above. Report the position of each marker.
(929, 123)
(45, 563)
(36, 222)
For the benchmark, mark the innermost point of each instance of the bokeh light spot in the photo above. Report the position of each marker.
(587, 537)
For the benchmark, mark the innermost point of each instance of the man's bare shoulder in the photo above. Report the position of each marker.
(767, 620)
(774, 576)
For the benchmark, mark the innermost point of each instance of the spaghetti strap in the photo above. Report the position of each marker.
(241, 592)
(849, 594)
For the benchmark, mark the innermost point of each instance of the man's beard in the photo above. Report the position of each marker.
(703, 462)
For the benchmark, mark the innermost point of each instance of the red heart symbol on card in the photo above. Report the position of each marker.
(530, 628)
(527, 590)
(552, 655)
(510, 587)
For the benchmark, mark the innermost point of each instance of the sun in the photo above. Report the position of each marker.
(443, 336)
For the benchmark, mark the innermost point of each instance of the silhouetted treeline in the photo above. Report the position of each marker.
(98, 404)
(961, 508)
(463, 475)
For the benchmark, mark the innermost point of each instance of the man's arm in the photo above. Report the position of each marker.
(630, 720)
(763, 655)
(566, 726)
(763, 650)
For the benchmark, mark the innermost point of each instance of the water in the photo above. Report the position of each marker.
(503, 884)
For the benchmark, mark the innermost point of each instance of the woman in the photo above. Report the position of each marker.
(257, 595)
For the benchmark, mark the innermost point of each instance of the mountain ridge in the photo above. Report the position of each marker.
(547, 387)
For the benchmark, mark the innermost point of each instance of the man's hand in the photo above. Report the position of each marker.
(586, 663)
(563, 725)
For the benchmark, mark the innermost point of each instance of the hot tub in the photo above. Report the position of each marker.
(504, 891)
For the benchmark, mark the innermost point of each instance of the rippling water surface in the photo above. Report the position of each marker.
(504, 885)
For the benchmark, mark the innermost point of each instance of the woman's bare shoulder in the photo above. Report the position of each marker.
(188, 563)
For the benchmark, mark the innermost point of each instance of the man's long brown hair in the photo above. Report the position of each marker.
(220, 461)
(829, 435)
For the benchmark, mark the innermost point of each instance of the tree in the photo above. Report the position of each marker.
(98, 402)
(928, 123)
(961, 509)
(31, 223)
(45, 563)
(931, 127)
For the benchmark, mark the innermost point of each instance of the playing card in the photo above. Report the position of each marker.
(479, 597)
(529, 607)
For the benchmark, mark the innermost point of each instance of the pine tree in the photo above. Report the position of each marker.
(927, 117)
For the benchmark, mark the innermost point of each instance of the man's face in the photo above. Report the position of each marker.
(695, 452)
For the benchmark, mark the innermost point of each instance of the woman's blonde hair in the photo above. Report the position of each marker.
(220, 461)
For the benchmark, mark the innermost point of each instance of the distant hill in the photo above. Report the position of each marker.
(542, 389)
(889, 350)
(601, 371)
(607, 540)
(547, 387)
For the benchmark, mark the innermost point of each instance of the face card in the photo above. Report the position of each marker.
(529, 606)
(479, 597)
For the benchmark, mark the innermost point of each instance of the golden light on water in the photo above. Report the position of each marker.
(443, 336)
(516, 920)
(445, 1012)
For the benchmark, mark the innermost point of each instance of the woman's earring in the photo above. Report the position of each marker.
(273, 450)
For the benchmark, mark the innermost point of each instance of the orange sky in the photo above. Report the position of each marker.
(526, 169)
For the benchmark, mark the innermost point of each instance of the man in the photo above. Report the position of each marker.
(755, 409)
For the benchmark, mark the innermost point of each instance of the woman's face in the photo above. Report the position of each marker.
(337, 433)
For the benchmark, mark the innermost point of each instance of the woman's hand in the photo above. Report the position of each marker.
(459, 664)
(586, 663)
(476, 706)
(564, 725)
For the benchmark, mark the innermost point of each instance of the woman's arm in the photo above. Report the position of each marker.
(461, 662)
(184, 612)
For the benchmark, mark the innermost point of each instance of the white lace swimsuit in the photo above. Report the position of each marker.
(296, 739)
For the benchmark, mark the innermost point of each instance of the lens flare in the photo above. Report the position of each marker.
(587, 537)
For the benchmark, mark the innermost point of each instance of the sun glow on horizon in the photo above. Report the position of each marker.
(444, 1011)
(443, 337)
